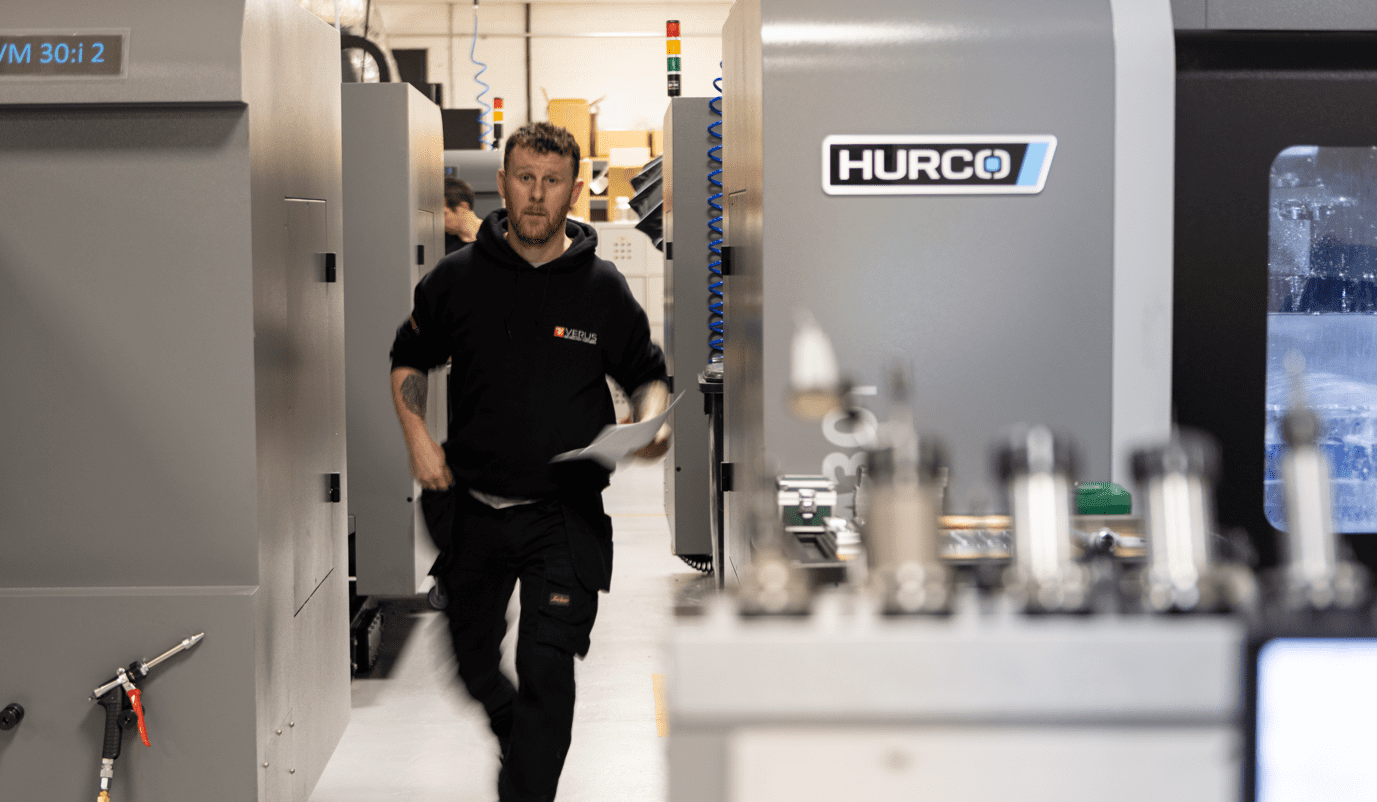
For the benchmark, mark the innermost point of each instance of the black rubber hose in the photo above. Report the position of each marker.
(349, 41)
(698, 562)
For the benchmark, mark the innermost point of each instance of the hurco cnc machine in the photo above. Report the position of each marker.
(949, 311)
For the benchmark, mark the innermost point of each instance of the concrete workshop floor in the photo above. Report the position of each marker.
(414, 734)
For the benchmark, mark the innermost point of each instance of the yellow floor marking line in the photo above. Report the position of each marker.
(661, 708)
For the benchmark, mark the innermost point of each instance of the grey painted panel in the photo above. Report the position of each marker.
(378, 231)
(1144, 204)
(428, 165)
(1190, 15)
(377, 274)
(320, 681)
(743, 143)
(668, 328)
(1297, 15)
(315, 311)
(200, 704)
(292, 86)
(426, 137)
(1001, 304)
(477, 167)
(126, 348)
(173, 402)
(997, 669)
(686, 214)
(1048, 763)
(394, 196)
(176, 51)
(851, 702)
(1014, 328)
(697, 766)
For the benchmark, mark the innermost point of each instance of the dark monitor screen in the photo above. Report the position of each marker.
(1316, 720)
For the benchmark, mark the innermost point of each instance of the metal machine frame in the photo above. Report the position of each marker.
(172, 387)
(394, 234)
(1051, 307)
(1303, 86)
(842, 693)
(686, 215)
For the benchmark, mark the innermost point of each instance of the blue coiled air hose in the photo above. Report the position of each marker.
(717, 337)
(487, 114)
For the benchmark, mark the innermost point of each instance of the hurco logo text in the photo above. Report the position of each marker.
(935, 165)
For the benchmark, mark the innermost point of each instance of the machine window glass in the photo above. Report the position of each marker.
(1322, 304)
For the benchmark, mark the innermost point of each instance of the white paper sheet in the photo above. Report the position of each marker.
(617, 442)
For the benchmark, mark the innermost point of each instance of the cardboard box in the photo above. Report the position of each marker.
(657, 143)
(628, 157)
(618, 185)
(621, 139)
(581, 206)
(572, 114)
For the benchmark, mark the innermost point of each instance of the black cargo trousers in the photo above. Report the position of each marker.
(491, 549)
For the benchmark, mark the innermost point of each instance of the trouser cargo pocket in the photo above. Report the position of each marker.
(438, 508)
(567, 610)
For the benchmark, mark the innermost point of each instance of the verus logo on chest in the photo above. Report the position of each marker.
(590, 338)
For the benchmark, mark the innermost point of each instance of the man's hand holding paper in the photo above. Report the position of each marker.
(648, 438)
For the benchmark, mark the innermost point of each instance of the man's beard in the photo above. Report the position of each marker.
(539, 237)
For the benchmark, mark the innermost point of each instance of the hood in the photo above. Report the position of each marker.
(583, 245)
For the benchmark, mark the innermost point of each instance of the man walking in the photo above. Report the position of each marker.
(532, 321)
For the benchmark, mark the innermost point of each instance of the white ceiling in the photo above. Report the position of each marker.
(553, 2)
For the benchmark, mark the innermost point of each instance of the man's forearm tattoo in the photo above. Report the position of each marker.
(415, 388)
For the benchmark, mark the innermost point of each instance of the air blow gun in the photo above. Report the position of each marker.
(123, 703)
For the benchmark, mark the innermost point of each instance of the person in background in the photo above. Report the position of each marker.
(532, 320)
(461, 224)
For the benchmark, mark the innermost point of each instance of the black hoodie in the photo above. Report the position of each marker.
(530, 347)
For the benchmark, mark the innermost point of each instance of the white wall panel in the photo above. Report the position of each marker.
(629, 71)
(569, 57)
(406, 18)
(573, 18)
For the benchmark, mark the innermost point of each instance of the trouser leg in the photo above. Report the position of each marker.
(557, 615)
(542, 720)
(479, 582)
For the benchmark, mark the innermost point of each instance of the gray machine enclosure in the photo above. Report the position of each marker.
(1274, 15)
(1007, 308)
(479, 168)
(1045, 710)
(686, 215)
(394, 233)
(172, 402)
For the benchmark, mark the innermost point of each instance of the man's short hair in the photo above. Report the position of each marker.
(544, 138)
(458, 191)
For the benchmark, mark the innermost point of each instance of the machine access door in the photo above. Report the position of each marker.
(313, 296)
(1276, 254)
